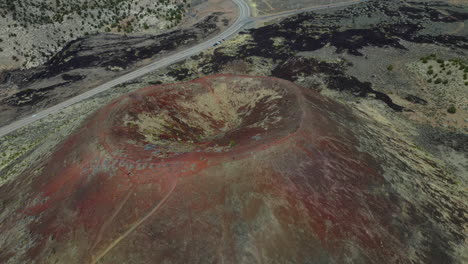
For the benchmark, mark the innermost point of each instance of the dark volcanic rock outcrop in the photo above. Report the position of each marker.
(111, 50)
(350, 31)
(233, 169)
(87, 62)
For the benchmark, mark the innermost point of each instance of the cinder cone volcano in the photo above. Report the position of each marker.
(223, 169)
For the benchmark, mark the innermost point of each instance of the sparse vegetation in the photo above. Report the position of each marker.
(64, 20)
(390, 67)
(452, 109)
(232, 143)
(447, 68)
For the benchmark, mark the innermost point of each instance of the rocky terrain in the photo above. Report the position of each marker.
(89, 61)
(235, 169)
(397, 70)
(373, 49)
(34, 30)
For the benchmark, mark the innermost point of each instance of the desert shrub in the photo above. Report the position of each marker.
(445, 82)
(390, 67)
(429, 81)
(452, 109)
(440, 61)
(449, 72)
(438, 80)
(430, 71)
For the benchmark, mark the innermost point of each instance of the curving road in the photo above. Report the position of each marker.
(243, 19)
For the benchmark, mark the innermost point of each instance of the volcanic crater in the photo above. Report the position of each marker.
(205, 115)
(222, 169)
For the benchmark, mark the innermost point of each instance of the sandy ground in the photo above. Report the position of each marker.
(207, 7)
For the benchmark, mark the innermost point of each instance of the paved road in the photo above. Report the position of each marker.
(293, 12)
(243, 19)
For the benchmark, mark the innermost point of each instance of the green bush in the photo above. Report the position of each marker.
(449, 72)
(429, 81)
(452, 109)
(441, 61)
(390, 67)
(445, 82)
(430, 71)
(439, 80)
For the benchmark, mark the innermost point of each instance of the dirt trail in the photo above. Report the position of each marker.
(268, 4)
(111, 218)
(97, 258)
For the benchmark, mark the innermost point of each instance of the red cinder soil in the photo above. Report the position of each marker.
(224, 169)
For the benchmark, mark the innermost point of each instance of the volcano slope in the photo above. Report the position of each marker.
(231, 169)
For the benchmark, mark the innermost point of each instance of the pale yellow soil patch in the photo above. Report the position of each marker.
(205, 112)
(439, 96)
